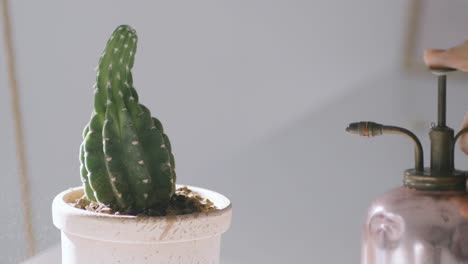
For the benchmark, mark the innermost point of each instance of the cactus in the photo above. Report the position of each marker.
(126, 158)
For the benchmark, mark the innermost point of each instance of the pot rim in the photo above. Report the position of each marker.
(141, 229)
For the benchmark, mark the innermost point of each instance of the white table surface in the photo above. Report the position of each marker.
(50, 256)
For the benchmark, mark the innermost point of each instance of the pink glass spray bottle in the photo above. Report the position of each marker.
(425, 221)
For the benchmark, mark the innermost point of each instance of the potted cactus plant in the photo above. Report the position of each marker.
(129, 208)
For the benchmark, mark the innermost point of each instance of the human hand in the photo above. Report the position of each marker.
(457, 58)
(464, 137)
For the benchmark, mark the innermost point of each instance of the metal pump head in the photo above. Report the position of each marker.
(441, 136)
(441, 175)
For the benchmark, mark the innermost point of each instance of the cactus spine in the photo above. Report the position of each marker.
(126, 158)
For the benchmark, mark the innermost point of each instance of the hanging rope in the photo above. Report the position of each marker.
(415, 9)
(17, 117)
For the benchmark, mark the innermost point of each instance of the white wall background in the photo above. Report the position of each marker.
(11, 239)
(255, 96)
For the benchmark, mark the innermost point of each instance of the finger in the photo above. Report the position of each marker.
(436, 58)
(464, 137)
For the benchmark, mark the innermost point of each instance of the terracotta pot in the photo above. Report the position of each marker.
(96, 238)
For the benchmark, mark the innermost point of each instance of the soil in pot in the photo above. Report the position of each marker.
(184, 201)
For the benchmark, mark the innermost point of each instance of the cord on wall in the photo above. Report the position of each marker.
(19, 135)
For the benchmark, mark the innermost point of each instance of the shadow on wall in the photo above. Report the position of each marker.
(300, 194)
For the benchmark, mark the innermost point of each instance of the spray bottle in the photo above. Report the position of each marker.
(426, 219)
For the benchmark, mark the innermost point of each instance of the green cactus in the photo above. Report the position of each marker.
(126, 158)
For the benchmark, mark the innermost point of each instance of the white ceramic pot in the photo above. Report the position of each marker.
(95, 238)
